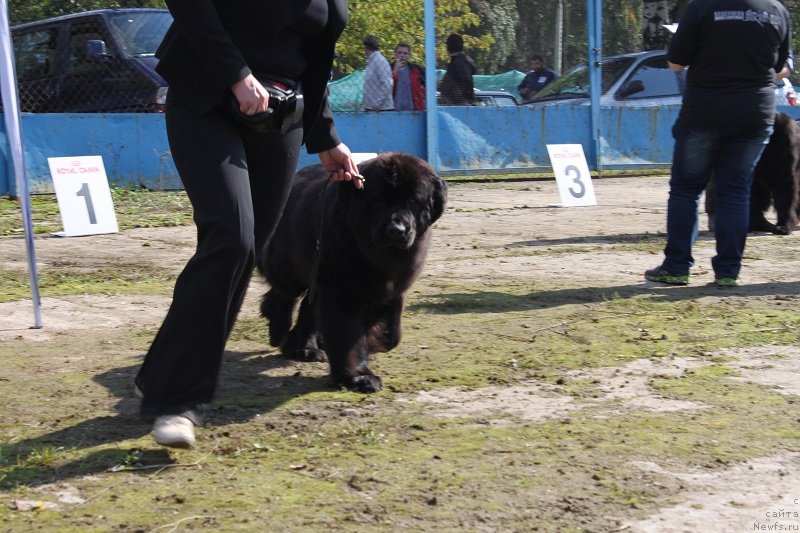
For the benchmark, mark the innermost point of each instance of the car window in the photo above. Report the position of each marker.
(35, 53)
(494, 98)
(575, 83)
(612, 69)
(80, 35)
(505, 100)
(140, 33)
(652, 79)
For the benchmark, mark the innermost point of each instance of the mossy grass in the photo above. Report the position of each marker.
(287, 451)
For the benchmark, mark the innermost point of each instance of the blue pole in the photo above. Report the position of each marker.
(595, 33)
(8, 88)
(432, 109)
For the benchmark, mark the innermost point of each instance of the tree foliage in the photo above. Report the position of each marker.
(403, 21)
(498, 21)
(499, 34)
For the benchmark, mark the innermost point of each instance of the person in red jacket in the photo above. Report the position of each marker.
(409, 81)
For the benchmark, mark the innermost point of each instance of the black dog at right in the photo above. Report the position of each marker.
(349, 256)
(776, 181)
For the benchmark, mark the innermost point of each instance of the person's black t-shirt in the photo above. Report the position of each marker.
(732, 48)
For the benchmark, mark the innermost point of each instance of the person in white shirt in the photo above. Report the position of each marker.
(377, 78)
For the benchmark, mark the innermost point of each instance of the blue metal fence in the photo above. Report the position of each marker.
(470, 139)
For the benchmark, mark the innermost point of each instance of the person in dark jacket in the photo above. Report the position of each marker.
(409, 81)
(537, 79)
(732, 49)
(457, 87)
(221, 59)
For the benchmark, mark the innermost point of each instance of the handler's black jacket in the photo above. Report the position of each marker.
(212, 44)
(733, 49)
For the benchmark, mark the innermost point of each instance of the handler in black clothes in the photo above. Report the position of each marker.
(732, 49)
(457, 87)
(237, 176)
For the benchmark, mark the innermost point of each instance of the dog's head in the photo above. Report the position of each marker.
(401, 198)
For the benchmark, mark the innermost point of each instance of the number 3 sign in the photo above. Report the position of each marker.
(572, 174)
(84, 198)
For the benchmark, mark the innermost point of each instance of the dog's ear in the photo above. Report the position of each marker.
(439, 200)
(347, 189)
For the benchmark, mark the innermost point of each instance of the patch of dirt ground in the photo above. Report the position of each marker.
(482, 218)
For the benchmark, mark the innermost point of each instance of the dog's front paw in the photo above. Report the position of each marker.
(782, 230)
(761, 225)
(366, 383)
(307, 355)
(279, 314)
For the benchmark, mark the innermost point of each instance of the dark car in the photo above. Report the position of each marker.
(91, 62)
(490, 98)
(640, 78)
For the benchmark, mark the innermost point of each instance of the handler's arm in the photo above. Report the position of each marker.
(339, 162)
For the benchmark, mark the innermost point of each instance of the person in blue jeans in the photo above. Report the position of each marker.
(732, 49)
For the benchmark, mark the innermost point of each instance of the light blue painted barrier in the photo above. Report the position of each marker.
(471, 139)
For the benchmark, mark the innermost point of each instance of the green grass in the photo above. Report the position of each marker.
(286, 451)
(112, 280)
(135, 208)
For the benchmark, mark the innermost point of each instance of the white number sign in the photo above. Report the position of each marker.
(572, 174)
(84, 198)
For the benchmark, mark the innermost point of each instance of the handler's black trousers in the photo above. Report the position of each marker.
(238, 182)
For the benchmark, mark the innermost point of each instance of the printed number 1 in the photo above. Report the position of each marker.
(87, 197)
(572, 169)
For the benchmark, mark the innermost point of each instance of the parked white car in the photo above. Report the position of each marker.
(640, 79)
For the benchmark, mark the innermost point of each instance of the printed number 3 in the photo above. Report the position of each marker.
(572, 170)
(87, 197)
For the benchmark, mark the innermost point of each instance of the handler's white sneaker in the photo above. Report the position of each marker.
(174, 431)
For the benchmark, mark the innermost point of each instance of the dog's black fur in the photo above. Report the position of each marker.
(373, 243)
(776, 181)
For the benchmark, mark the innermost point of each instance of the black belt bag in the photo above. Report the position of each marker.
(284, 110)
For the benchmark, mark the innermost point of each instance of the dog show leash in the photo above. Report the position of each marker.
(312, 285)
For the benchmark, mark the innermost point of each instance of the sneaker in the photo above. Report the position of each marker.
(662, 276)
(726, 282)
(174, 431)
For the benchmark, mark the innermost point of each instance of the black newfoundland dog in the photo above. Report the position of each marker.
(349, 255)
(776, 181)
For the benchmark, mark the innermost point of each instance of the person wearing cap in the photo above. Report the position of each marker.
(378, 81)
(457, 87)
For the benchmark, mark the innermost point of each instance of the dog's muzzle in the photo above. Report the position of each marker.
(399, 233)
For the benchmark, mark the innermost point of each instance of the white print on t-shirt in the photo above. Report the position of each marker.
(762, 17)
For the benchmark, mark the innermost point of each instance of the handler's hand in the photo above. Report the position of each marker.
(339, 162)
(253, 98)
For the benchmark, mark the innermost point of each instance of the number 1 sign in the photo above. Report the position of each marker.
(572, 174)
(84, 198)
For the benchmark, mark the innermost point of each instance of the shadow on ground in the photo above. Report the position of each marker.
(247, 392)
(497, 302)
